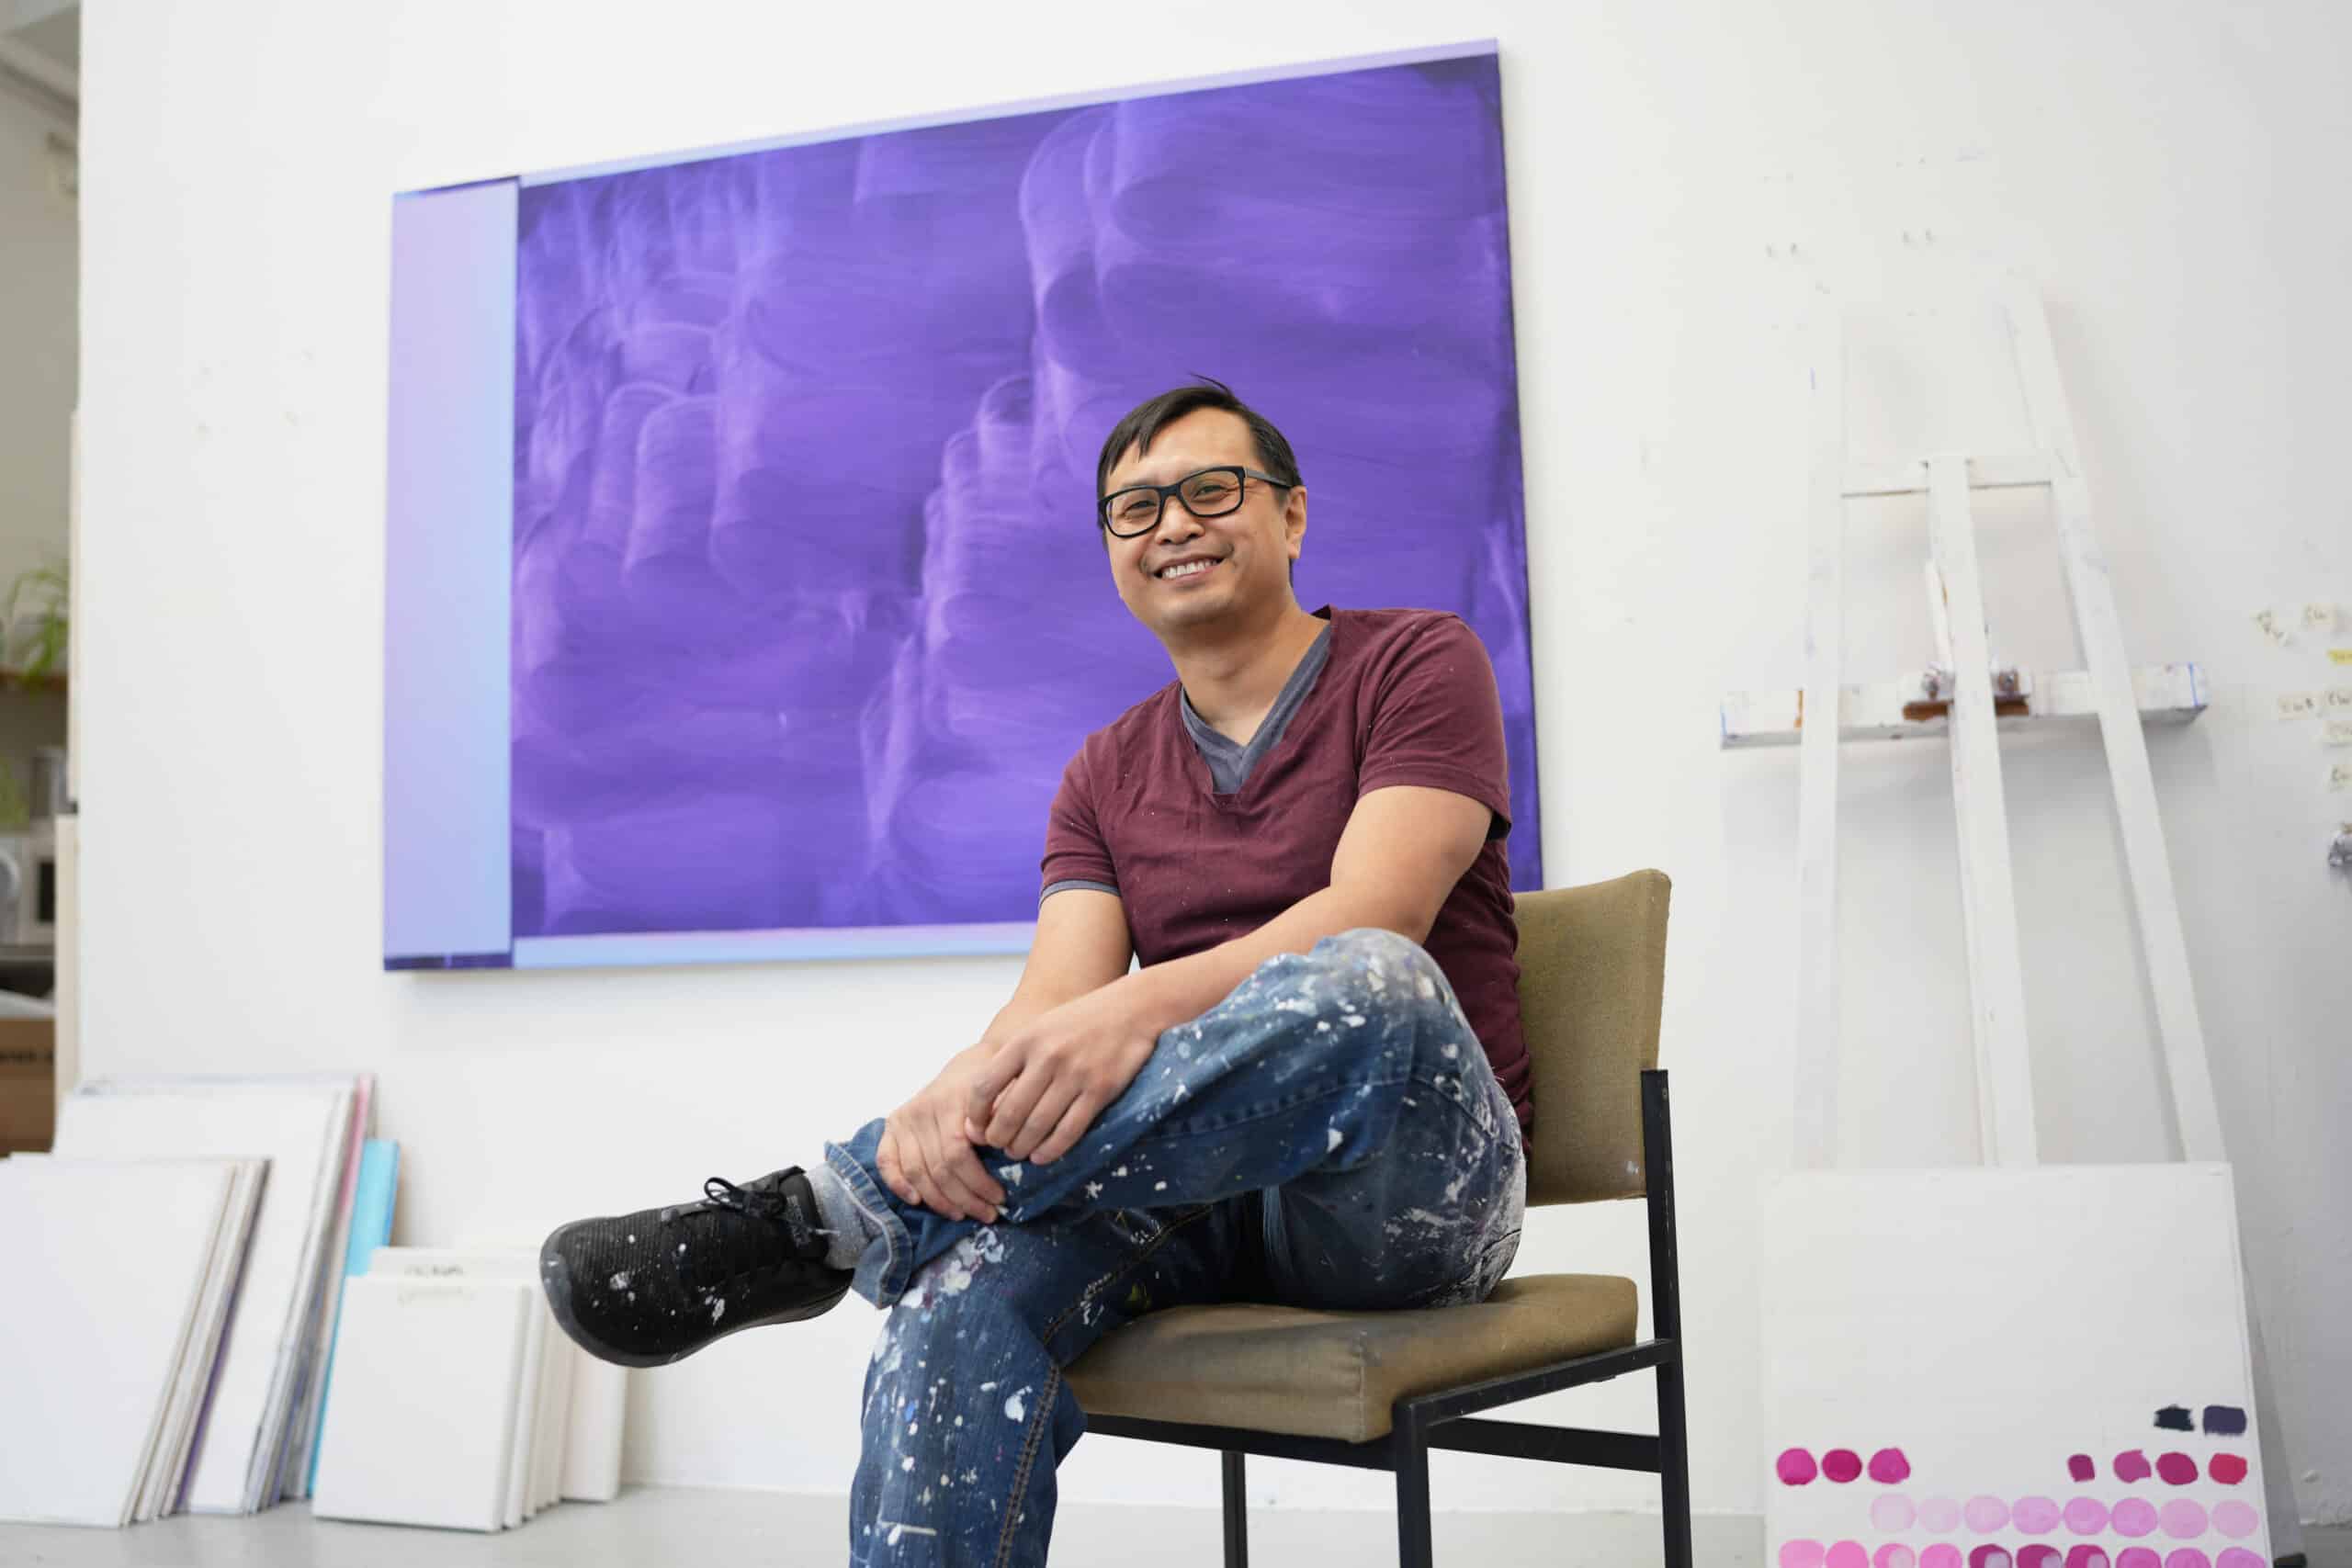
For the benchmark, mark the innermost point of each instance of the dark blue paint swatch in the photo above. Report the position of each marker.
(2225, 1420)
(2173, 1418)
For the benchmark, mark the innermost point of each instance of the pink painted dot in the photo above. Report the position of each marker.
(1802, 1554)
(2035, 1516)
(1841, 1465)
(2086, 1556)
(1939, 1516)
(1794, 1467)
(2235, 1519)
(2187, 1557)
(2134, 1517)
(2080, 1467)
(1943, 1554)
(2137, 1557)
(1847, 1554)
(1986, 1515)
(2041, 1554)
(2085, 1515)
(1895, 1554)
(1889, 1467)
(1990, 1556)
(2239, 1557)
(2181, 1519)
(2227, 1469)
(1892, 1511)
(2130, 1465)
(2175, 1469)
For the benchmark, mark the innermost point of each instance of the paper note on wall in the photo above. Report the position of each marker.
(2298, 705)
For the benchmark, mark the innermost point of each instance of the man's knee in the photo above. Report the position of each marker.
(1395, 968)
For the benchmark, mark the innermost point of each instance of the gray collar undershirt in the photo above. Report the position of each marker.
(1231, 764)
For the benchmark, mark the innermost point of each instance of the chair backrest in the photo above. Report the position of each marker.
(1591, 981)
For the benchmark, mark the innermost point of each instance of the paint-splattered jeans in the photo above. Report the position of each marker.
(1328, 1135)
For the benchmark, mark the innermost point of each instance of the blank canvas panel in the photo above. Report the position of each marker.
(1986, 1369)
(96, 1326)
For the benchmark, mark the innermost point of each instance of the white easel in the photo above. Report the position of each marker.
(1969, 699)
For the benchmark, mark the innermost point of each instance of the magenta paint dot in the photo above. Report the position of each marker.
(1794, 1467)
(2181, 1519)
(2239, 1557)
(1893, 1511)
(1889, 1467)
(2130, 1465)
(1943, 1554)
(2175, 1469)
(2079, 1467)
(2187, 1557)
(2137, 1557)
(2085, 1515)
(2038, 1555)
(2235, 1519)
(1841, 1465)
(1986, 1515)
(2227, 1469)
(1940, 1516)
(2086, 1556)
(1847, 1554)
(1991, 1556)
(1895, 1554)
(1802, 1554)
(2035, 1516)
(2134, 1517)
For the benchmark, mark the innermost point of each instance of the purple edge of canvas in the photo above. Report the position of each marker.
(1241, 78)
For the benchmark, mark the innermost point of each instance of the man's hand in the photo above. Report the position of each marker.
(1048, 1080)
(926, 1155)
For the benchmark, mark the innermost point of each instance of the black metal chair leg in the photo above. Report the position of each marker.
(1237, 1512)
(1674, 1463)
(1409, 1442)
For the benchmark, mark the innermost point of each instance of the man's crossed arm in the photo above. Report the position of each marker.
(1080, 1026)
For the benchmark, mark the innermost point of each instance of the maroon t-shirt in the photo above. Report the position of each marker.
(1407, 698)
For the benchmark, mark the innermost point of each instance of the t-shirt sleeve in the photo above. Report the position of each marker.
(1437, 721)
(1075, 849)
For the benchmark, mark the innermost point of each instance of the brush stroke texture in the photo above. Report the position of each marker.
(809, 608)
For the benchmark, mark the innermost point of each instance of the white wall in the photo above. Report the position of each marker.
(1682, 177)
(38, 282)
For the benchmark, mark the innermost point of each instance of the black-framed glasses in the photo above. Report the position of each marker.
(1212, 492)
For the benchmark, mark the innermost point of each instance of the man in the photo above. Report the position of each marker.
(1301, 838)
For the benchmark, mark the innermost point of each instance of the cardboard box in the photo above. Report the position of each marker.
(27, 1085)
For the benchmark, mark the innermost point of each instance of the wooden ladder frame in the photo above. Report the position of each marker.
(1966, 698)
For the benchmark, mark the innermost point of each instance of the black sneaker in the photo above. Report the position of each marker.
(647, 1289)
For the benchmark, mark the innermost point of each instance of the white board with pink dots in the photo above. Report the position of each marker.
(2008, 1369)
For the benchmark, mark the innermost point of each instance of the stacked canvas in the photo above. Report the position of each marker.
(238, 1417)
(455, 1351)
(114, 1327)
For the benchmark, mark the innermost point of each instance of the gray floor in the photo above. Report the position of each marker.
(659, 1526)
(655, 1526)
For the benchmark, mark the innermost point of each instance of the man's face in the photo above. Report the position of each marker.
(1230, 565)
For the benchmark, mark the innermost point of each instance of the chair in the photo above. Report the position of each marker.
(1380, 1390)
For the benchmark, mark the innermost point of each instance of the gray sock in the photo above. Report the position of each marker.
(849, 1229)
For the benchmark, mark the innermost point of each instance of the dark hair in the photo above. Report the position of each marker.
(1148, 418)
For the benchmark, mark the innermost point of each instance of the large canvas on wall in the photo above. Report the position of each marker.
(2008, 1369)
(804, 608)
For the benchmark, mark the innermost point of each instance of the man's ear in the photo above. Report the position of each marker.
(1294, 519)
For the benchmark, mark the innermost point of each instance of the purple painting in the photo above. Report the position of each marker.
(809, 608)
